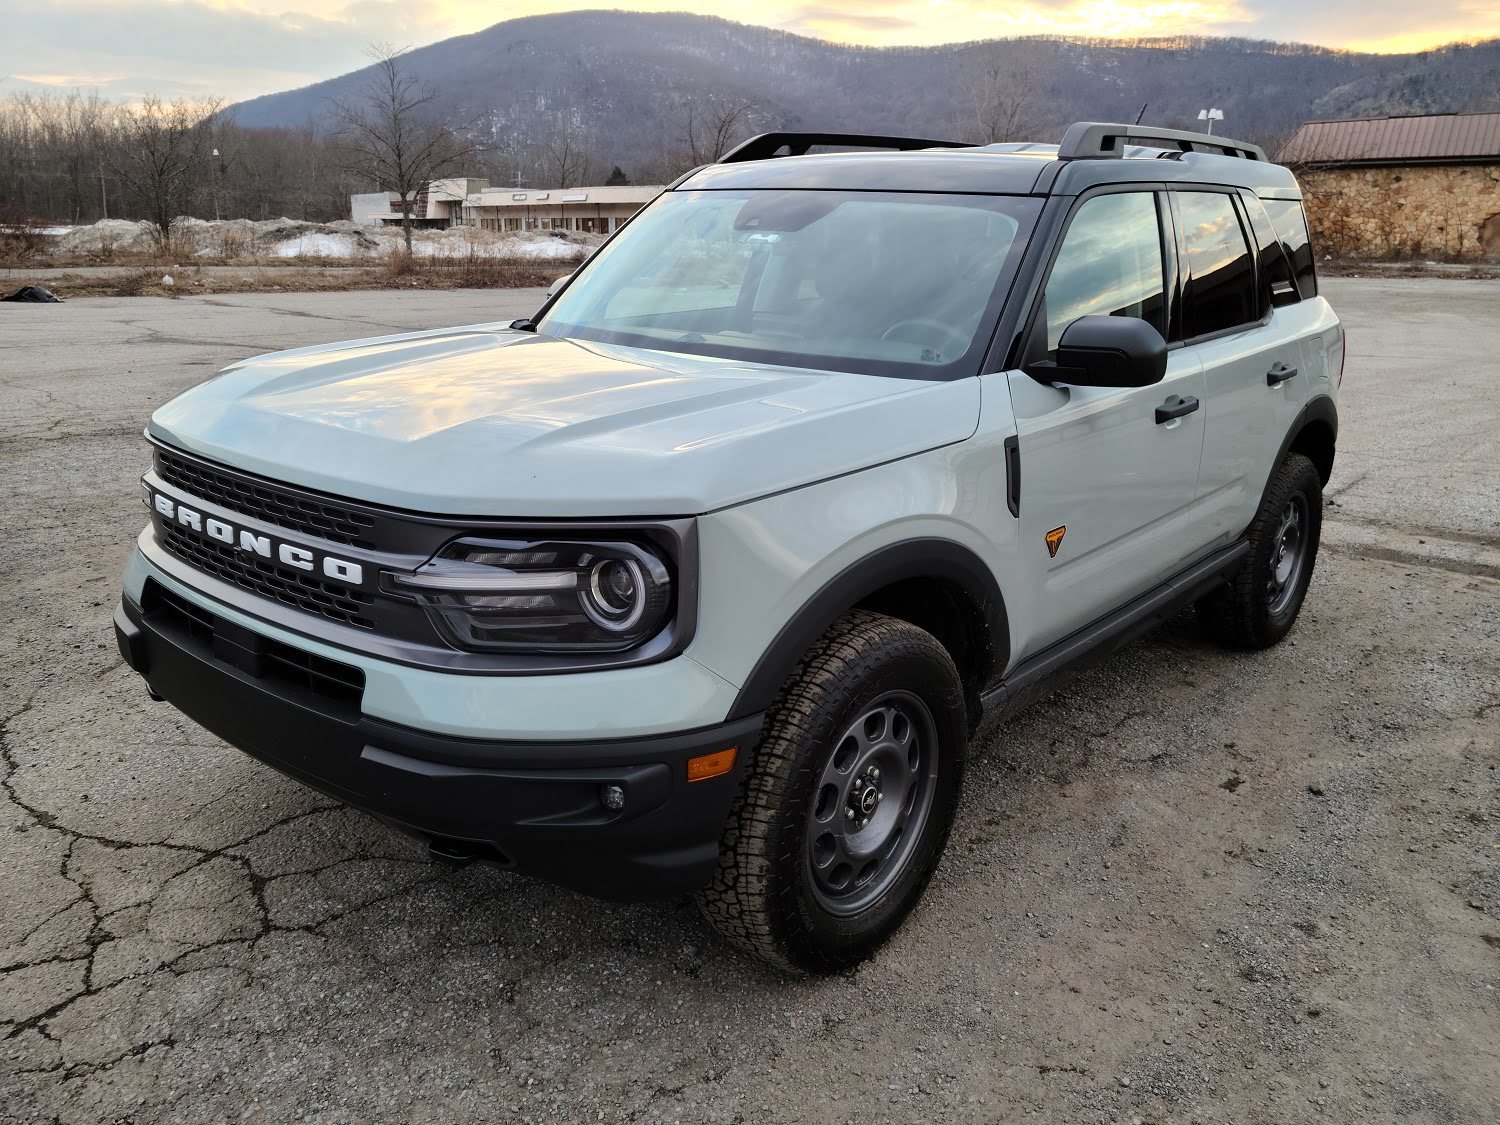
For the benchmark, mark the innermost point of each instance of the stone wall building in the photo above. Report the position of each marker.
(1402, 187)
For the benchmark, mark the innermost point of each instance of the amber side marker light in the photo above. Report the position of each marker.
(717, 764)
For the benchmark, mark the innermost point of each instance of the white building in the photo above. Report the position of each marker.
(466, 201)
(372, 208)
(596, 209)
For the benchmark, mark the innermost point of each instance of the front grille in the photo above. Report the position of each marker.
(262, 500)
(291, 587)
(338, 683)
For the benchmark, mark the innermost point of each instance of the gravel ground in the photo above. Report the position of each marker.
(1193, 886)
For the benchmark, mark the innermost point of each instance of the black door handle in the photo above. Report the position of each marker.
(1280, 374)
(1175, 407)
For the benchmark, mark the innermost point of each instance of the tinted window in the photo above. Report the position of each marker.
(1277, 285)
(1291, 226)
(1221, 277)
(1109, 264)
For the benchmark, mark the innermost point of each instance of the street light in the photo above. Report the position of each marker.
(1210, 115)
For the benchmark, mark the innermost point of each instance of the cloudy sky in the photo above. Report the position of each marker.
(240, 48)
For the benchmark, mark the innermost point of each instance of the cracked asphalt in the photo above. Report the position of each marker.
(1192, 886)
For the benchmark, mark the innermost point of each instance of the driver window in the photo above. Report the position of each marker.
(1109, 264)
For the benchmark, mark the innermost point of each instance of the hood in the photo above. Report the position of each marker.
(486, 421)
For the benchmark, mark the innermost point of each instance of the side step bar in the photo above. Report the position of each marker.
(1092, 643)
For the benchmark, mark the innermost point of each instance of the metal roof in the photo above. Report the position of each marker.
(1448, 137)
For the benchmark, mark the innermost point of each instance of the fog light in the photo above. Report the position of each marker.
(613, 797)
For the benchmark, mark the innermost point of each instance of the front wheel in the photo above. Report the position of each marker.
(1261, 603)
(845, 810)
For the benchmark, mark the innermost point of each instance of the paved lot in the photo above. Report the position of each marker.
(1194, 886)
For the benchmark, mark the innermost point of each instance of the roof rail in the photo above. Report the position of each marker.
(1096, 140)
(769, 145)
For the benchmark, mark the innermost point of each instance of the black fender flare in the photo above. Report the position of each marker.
(1319, 408)
(911, 558)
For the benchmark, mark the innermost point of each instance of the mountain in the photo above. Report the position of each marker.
(625, 79)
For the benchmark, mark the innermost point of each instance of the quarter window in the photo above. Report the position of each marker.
(1290, 221)
(1109, 264)
(1220, 291)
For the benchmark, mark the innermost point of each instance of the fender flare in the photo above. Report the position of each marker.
(1319, 408)
(896, 562)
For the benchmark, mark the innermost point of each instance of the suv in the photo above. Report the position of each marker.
(699, 579)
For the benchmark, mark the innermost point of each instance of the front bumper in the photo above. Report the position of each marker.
(535, 806)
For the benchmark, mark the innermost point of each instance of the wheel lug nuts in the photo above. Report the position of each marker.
(874, 771)
(848, 814)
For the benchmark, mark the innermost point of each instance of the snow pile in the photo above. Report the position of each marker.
(108, 236)
(342, 240)
(316, 244)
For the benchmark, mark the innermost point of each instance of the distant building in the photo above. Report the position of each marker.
(597, 209)
(372, 208)
(1402, 187)
(466, 201)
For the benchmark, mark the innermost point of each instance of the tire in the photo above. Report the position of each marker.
(1261, 603)
(874, 691)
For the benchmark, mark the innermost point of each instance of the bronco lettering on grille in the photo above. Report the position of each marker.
(287, 554)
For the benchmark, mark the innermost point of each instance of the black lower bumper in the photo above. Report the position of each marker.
(536, 806)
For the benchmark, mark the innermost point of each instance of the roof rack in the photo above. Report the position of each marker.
(769, 145)
(1096, 140)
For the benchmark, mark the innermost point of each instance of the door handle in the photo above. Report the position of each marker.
(1175, 407)
(1280, 374)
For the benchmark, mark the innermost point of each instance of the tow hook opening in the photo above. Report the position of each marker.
(459, 852)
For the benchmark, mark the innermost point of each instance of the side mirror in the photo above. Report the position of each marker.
(556, 285)
(1105, 351)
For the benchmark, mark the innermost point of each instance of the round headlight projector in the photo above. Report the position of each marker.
(616, 594)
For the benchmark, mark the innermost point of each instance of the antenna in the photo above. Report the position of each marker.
(1142, 114)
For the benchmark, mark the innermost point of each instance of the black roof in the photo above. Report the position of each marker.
(1031, 169)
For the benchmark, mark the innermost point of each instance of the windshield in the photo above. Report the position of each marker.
(888, 283)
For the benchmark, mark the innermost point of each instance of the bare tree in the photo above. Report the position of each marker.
(160, 154)
(395, 134)
(567, 153)
(705, 127)
(1008, 101)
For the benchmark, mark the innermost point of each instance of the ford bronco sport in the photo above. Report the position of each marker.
(699, 580)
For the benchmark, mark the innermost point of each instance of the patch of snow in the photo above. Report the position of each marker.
(316, 244)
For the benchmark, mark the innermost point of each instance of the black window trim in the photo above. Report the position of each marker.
(1181, 246)
(1312, 272)
(1023, 344)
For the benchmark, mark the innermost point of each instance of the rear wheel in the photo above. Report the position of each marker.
(846, 808)
(1261, 603)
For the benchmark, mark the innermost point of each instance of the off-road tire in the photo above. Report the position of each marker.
(1244, 615)
(764, 895)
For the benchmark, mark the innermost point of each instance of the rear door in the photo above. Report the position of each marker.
(1106, 489)
(1250, 352)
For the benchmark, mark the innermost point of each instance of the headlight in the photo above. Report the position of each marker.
(550, 596)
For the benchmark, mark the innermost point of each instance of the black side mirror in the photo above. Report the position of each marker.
(1105, 351)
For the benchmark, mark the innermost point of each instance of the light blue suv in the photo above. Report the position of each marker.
(699, 580)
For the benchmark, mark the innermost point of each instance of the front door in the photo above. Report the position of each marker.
(1107, 484)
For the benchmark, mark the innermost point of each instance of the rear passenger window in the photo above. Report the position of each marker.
(1290, 221)
(1220, 274)
(1109, 264)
